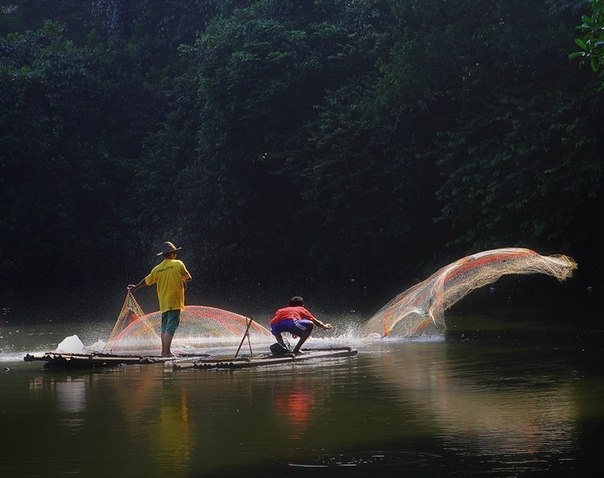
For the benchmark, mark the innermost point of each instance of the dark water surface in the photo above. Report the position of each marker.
(503, 395)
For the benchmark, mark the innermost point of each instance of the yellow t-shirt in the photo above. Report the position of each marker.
(169, 275)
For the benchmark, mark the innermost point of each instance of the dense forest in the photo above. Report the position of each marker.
(343, 149)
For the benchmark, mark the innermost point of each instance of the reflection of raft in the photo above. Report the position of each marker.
(65, 361)
(265, 360)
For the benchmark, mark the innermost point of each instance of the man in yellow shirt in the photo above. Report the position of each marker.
(170, 276)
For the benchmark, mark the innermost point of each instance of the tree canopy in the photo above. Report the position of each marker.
(339, 148)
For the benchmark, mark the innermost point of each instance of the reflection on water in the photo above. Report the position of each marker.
(522, 417)
(71, 402)
(492, 403)
(294, 402)
(156, 417)
(173, 439)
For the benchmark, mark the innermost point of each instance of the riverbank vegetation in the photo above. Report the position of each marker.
(344, 149)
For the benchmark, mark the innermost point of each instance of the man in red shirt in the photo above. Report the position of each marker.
(295, 320)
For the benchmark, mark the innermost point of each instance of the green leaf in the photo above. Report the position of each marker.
(594, 63)
(581, 43)
(587, 21)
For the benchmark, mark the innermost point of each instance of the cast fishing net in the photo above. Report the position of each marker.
(134, 329)
(420, 309)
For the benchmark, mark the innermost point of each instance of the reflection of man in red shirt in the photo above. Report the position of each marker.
(296, 404)
(296, 320)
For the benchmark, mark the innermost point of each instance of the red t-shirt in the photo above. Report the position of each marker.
(295, 313)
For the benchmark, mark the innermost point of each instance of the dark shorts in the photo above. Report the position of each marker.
(169, 321)
(294, 327)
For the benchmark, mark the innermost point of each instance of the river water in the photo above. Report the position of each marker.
(505, 393)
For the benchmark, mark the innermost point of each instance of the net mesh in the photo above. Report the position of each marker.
(131, 314)
(134, 329)
(420, 309)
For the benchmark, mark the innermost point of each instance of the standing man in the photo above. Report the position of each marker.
(297, 321)
(170, 276)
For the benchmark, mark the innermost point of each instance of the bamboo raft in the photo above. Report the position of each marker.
(67, 361)
(264, 359)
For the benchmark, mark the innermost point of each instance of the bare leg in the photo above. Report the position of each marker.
(279, 338)
(166, 342)
(303, 338)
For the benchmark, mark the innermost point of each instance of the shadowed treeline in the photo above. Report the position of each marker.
(341, 150)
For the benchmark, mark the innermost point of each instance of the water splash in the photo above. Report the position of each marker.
(71, 345)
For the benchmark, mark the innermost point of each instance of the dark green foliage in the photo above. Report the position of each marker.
(591, 43)
(337, 147)
(513, 144)
(63, 165)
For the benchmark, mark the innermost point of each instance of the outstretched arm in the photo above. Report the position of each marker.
(132, 287)
(321, 324)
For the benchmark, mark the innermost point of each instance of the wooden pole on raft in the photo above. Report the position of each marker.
(245, 334)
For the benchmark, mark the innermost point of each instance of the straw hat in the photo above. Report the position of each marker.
(167, 248)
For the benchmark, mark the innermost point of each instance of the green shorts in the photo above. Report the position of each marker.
(169, 321)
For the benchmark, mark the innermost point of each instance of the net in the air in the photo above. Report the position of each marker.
(420, 309)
